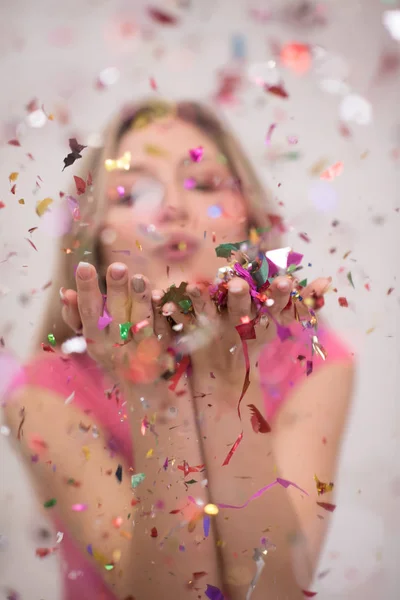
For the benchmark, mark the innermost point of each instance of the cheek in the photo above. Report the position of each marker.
(227, 211)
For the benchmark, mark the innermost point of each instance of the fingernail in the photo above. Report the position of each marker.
(84, 271)
(118, 271)
(138, 284)
(62, 296)
(283, 286)
(156, 295)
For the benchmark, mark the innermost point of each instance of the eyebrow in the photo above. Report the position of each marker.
(143, 168)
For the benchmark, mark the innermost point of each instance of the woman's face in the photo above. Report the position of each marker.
(166, 215)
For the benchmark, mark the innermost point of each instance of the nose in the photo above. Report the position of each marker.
(174, 207)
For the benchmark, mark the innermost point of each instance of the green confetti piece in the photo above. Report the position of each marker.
(185, 305)
(225, 250)
(303, 283)
(136, 479)
(50, 503)
(124, 329)
(191, 481)
(292, 268)
(350, 278)
(292, 155)
(51, 339)
(108, 567)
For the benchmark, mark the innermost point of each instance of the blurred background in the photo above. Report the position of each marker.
(305, 85)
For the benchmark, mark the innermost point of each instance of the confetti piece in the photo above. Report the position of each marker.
(86, 452)
(283, 482)
(214, 593)
(31, 243)
(120, 164)
(232, 450)
(79, 507)
(154, 532)
(13, 143)
(332, 172)
(137, 479)
(124, 329)
(276, 90)
(211, 509)
(153, 84)
(269, 134)
(206, 525)
(104, 320)
(390, 290)
(118, 473)
(42, 206)
(323, 488)
(327, 506)
(196, 154)
(51, 339)
(43, 552)
(161, 17)
(258, 422)
(75, 153)
(350, 278)
(70, 398)
(80, 185)
(343, 302)
(50, 503)
(296, 57)
(2, 205)
(46, 347)
(13, 176)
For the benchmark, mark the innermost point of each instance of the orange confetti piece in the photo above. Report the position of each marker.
(21, 201)
(13, 176)
(332, 172)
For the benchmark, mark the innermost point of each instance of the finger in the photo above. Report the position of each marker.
(201, 301)
(70, 311)
(118, 298)
(90, 300)
(161, 327)
(315, 290)
(142, 309)
(239, 301)
(182, 320)
(279, 292)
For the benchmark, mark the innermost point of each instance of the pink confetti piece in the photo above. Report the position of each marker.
(196, 154)
(189, 183)
(79, 507)
(269, 134)
(104, 320)
(283, 482)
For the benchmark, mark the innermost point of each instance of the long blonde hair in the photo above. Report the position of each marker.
(82, 243)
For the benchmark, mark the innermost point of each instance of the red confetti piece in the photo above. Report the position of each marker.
(258, 422)
(390, 290)
(276, 90)
(2, 205)
(153, 84)
(32, 244)
(296, 57)
(187, 469)
(89, 181)
(343, 301)
(13, 143)
(154, 532)
(47, 348)
(80, 185)
(304, 237)
(269, 134)
(233, 450)
(327, 506)
(42, 552)
(309, 594)
(31, 230)
(162, 17)
(14, 187)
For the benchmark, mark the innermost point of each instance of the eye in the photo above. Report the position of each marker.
(207, 184)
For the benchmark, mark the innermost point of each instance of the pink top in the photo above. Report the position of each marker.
(280, 370)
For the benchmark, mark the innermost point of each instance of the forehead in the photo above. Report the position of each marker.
(168, 138)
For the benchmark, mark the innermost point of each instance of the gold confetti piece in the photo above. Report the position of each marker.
(318, 167)
(21, 201)
(149, 453)
(86, 452)
(120, 164)
(13, 176)
(182, 246)
(155, 150)
(139, 245)
(364, 154)
(323, 488)
(346, 254)
(370, 330)
(42, 206)
(211, 509)
(116, 556)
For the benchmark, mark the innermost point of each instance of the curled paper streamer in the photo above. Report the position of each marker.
(283, 482)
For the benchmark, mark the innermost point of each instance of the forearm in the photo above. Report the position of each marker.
(167, 542)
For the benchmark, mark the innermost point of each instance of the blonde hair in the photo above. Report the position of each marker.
(82, 243)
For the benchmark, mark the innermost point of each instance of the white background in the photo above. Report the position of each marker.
(55, 51)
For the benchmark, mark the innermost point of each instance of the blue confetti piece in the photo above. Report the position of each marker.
(215, 211)
(206, 525)
(89, 548)
(238, 46)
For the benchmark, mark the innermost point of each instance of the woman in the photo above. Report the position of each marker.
(129, 442)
